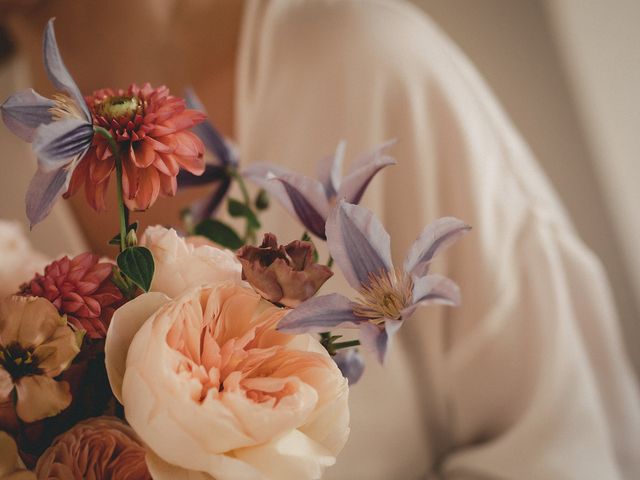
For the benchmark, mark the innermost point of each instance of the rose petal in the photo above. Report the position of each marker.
(290, 457)
(125, 323)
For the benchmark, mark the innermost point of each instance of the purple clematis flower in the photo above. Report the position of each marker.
(361, 248)
(350, 363)
(312, 200)
(59, 129)
(217, 172)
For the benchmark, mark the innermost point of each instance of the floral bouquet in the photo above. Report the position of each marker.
(197, 354)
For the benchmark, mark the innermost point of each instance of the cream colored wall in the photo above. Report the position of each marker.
(535, 59)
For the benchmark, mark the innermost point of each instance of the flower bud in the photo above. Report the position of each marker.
(262, 200)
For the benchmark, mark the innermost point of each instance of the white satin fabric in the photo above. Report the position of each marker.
(528, 379)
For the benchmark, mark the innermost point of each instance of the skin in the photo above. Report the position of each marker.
(112, 44)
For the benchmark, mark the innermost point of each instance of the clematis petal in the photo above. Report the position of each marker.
(330, 170)
(350, 363)
(60, 141)
(212, 173)
(358, 243)
(212, 139)
(436, 237)
(308, 200)
(362, 172)
(263, 174)
(319, 314)
(206, 209)
(57, 72)
(44, 189)
(25, 111)
(375, 338)
(433, 289)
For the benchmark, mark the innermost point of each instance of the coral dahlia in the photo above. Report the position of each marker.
(80, 288)
(151, 129)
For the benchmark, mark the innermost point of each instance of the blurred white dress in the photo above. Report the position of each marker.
(528, 379)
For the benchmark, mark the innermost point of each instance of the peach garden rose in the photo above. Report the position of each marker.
(215, 392)
(182, 263)
(97, 448)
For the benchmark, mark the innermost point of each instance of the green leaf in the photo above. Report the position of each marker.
(137, 264)
(116, 239)
(219, 233)
(307, 238)
(239, 209)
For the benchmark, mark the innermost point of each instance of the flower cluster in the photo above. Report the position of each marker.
(191, 355)
(80, 141)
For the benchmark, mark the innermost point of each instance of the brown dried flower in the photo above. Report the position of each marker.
(283, 274)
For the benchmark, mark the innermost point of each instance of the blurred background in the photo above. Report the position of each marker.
(566, 71)
(568, 74)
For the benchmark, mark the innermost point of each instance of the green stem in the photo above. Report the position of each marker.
(351, 343)
(330, 262)
(248, 232)
(113, 146)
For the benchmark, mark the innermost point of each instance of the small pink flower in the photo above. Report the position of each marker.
(36, 345)
(99, 448)
(80, 288)
(151, 128)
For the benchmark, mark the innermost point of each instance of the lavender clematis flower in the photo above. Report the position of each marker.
(312, 200)
(351, 364)
(59, 129)
(217, 172)
(387, 296)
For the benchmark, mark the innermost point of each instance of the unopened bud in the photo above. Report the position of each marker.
(131, 239)
(262, 200)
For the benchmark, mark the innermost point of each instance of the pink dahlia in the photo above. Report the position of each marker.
(80, 288)
(151, 128)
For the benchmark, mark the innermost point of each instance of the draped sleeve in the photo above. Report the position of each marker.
(528, 379)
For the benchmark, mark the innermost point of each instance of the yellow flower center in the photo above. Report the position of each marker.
(65, 107)
(19, 361)
(384, 296)
(119, 107)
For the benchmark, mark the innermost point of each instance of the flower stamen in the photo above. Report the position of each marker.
(119, 107)
(385, 296)
(65, 107)
(19, 361)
